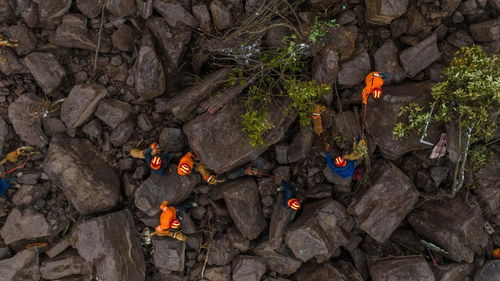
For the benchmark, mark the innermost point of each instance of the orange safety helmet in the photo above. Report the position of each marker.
(184, 169)
(175, 223)
(294, 204)
(496, 254)
(155, 163)
(154, 147)
(340, 161)
(377, 93)
(316, 115)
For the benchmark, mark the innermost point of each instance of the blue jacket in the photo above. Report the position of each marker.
(288, 193)
(4, 185)
(165, 160)
(344, 172)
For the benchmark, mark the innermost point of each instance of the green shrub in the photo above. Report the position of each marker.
(303, 94)
(254, 124)
(320, 28)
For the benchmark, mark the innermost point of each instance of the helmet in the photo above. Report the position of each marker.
(340, 161)
(377, 93)
(184, 169)
(154, 147)
(496, 253)
(155, 163)
(294, 204)
(175, 223)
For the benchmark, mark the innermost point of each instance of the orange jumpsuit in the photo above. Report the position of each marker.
(186, 164)
(169, 213)
(373, 81)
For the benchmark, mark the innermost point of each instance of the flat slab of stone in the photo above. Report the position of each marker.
(46, 70)
(168, 254)
(420, 56)
(28, 126)
(81, 103)
(410, 268)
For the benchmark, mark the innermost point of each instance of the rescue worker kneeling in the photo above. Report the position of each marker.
(169, 222)
(342, 167)
(187, 164)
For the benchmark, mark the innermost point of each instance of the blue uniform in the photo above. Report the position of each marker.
(4, 185)
(165, 160)
(288, 193)
(344, 172)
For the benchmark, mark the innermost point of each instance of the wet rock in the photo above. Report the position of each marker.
(220, 273)
(278, 260)
(52, 126)
(353, 72)
(460, 39)
(381, 117)
(27, 128)
(78, 168)
(157, 188)
(172, 139)
(420, 56)
(454, 272)
(46, 70)
(279, 221)
(81, 103)
(452, 225)
(122, 133)
(10, 65)
(23, 266)
(339, 270)
(342, 40)
(248, 268)
(71, 264)
(384, 11)
(486, 31)
(326, 66)
(122, 38)
(73, 33)
(116, 255)
(28, 194)
(121, 8)
(390, 198)
(221, 15)
(89, 8)
(411, 268)
(25, 36)
(173, 42)
(113, 111)
(175, 13)
(51, 12)
(168, 254)
(243, 203)
(221, 252)
(149, 76)
(29, 225)
(386, 60)
(489, 271)
(202, 15)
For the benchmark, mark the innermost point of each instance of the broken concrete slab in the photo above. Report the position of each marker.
(28, 126)
(81, 103)
(46, 70)
(169, 254)
(411, 268)
(420, 56)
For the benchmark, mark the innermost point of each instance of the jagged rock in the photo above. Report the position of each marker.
(243, 203)
(116, 255)
(52, 126)
(320, 191)
(221, 15)
(58, 247)
(4, 250)
(221, 253)
(248, 268)
(411, 268)
(157, 188)
(220, 273)
(381, 117)
(78, 168)
(113, 111)
(391, 196)
(28, 128)
(46, 70)
(435, 72)
(149, 76)
(454, 272)
(202, 15)
(460, 39)
(23, 266)
(51, 12)
(73, 33)
(342, 40)
(93, 129)
(278, 260)
(168, 254)
(489, 271)
(487, 182)
(121, 8)
(25, 36)
(28, 225)
(353, 71)
(453, 225)
(175, 13)
(28, 194)
(486, 31)
(346, 17)
(173, 42)
(384, 11)
(319, 231)
(70, 264)
(81, 103)
(10, 64)
(327, 271)
(122, 133)
(237, 239)
(386, 60)
(420, 56)
(122, 38)
(172, 139)
(89, 8)
(326, 66)
(279, 221)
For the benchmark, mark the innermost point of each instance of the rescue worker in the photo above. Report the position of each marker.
(206, 175)
(496, 254)
(290, 200)
(373, 85)
(168, 218)
(158, 161)
(246, 171)
(186, 164)
(342, 167)
(316, 118)
(5, 185)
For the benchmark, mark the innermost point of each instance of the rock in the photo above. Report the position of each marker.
(454, 272)
(58, 247)
(221, 253)
(237, 240)
(51, 12)
(186, 101)
(411, 268)
(420, 56)
(116, 255)
(29, 129)
(320, 191)
(90, 8)
(220, 273)
(157, 188)
(327, 271)
(46, 70)
(121, 8)
(384, 11)
(248, 268)
(322, 227)
(4, 131)
(386, 60)
(243, 203)
(175, 13)
(353, 72)
(450, 6)
(278, 260)
(342, 40)
(326, 67)
(172, 139)
(26, 38)
(81, 103)
(390, 198)
(487, 182)
(435, 72)
(28, 194)
(149, 76)
(173, 42)
(346, 17)
(122, 133)
(275, 35)
(93, 129)
(144, 123)
(460, 39)
(23, 266)
(5, 252)
(29, 225)
(452, 225)
(300, 146)
(52, 126)
(7, 11)
(73, 33)
(495, 4)
(489, 271)
(10, 65)
(113, 111)
(486, 31)
(168, 254)
(279, 221)
(399, 27)
(79, 170)
(202, 15)
(381, 117)
(221, 15)
(123, 36)
(71, 264)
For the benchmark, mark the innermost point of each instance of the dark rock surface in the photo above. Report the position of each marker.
(412, 268)
(28, 126)
(46, 70)
(81, 103)
(248, 268)
(420, 56)
(149, 75)
(23, 266)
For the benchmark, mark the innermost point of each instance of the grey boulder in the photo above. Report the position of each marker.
(81, 103)
(23, 114)
(46, 70)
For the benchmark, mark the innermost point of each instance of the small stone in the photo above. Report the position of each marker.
(26, 38)
(122, 133)
(221, 15)
(144, 123)
(169, 254)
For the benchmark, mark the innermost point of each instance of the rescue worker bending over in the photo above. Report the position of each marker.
(373, 85)
(186, 164)
(157, 162)
(290, 200)
(342, 167)
(168, 218)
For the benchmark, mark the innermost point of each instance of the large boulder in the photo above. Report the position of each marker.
(219, 142)
(173, 42)
(384, 11)
(390, 197)
(149, 75)
(24, 266)
(278, 260)
(453, 225)
(353, 71)
(81, 103)
(113, 111)
(46, 70)
(73, 33)
(342, 40)
(337, 271)
(243, 202)
(386, 60)
(168, 254)
(409, 268)
(111, 244)
(279, 221)
(489, 272)
(382, 116)
(172, 187)
(78, 168)
(420, 56)
(23, 114)
(326, 66)
(486, 31)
